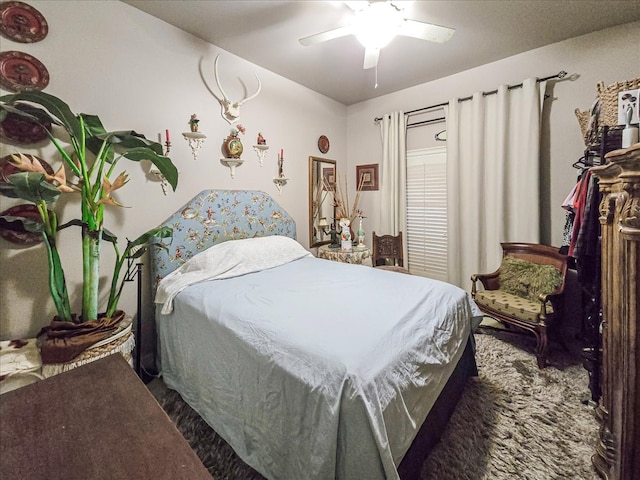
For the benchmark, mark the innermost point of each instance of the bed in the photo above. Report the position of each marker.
(308, 368)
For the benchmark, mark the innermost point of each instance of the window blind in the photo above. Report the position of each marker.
(426, 234)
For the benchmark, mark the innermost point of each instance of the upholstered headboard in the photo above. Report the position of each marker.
(215, 216)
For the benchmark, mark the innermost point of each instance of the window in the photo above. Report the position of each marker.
(427, 212)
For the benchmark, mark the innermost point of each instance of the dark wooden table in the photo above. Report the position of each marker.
(97, 421)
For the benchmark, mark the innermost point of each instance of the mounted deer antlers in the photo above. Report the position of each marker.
(230, 110)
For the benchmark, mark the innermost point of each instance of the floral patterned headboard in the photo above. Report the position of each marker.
(215, 216)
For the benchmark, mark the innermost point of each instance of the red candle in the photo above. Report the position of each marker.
(166, 132)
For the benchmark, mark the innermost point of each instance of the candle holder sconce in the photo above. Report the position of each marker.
(157, 174)
(281, 180)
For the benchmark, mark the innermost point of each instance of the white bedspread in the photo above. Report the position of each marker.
(228, 259)
(315, 369)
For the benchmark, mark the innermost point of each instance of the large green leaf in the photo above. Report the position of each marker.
(127, 139)
(164, 164)
(93, 124)
(59, 111)
(33, 187)
(133, 249)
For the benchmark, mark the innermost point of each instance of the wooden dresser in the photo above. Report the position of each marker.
(617, 454)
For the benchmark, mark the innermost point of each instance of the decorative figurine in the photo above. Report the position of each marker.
(345, 235)
(193, 123)
(360, 233)
(334, 237)
(261, 140)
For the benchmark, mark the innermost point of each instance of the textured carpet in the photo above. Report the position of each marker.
(513, 421)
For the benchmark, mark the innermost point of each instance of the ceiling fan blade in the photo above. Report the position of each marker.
(324, 36)
(371, 56)
(426, 31)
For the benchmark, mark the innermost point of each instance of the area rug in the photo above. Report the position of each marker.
(513, 421)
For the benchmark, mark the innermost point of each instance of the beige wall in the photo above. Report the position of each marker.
(610, 55)
(137, 72)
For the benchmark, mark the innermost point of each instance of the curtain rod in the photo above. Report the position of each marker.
(560, 74)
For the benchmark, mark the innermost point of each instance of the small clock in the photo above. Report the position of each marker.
(233, 147)
(323, 144)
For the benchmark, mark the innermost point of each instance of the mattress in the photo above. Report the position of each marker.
(315, 369)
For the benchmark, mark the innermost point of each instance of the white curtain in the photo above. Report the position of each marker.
(393, 176)
(493, 162)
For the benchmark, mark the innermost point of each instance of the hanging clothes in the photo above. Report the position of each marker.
(579, 206)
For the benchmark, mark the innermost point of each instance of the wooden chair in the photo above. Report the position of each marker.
(387, 252)
(526, 291)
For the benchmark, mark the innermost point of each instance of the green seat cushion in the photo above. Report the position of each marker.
(510, 304)
(526, 279)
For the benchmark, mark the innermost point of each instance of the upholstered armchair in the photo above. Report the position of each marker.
(526, 291)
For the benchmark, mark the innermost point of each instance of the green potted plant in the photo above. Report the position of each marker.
(89, 171)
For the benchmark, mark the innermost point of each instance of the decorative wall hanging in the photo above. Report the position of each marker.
(164, 183)
(323, 144)
(230, 110)
(194, 138)
(281, 180)
(21, 72)
(261, 148)
(232, 148)
(19, 130)
(14, 231)
(367, 176)
(22, 23)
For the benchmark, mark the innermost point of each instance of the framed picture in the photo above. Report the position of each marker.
(367, 176)
(329, 177)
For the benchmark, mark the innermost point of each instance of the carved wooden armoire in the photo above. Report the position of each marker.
(617, 454)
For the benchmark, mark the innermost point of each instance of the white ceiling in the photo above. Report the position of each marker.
(266, 33)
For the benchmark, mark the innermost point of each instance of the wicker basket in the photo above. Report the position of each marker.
(122, 342)
(583, 120)
(608, 97)
(608, 111)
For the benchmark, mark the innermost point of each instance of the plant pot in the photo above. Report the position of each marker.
(122, 341)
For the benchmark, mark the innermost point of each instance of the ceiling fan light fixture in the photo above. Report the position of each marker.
(376, 25)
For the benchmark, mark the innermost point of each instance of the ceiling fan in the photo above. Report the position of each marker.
(376, 23)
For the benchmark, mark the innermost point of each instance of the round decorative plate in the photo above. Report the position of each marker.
(8, 168)
(18, 234)
(22, 72)
(22, 130)
(323, 144)
(22, 23)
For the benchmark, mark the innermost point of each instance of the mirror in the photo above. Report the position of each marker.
(321, 208)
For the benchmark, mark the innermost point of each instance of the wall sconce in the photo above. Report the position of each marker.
(194, 138)
(154, 170)
(281, 180)
(261, 151)
(232, 146)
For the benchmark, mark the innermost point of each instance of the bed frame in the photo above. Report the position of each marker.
(215, 216)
